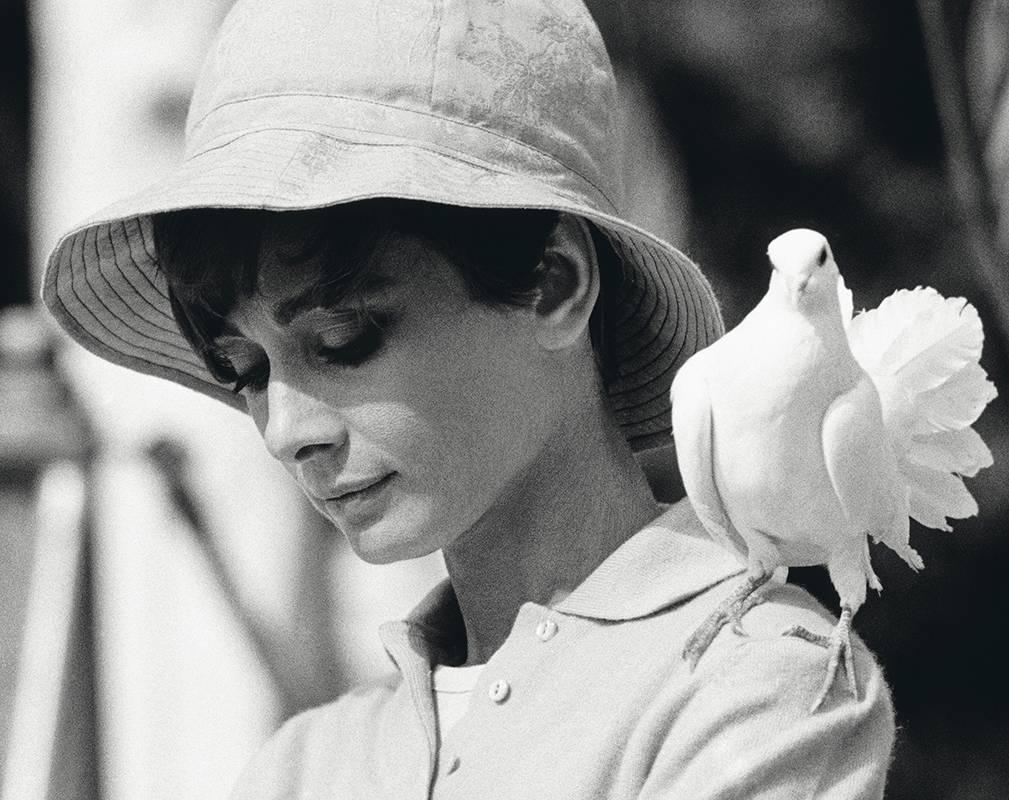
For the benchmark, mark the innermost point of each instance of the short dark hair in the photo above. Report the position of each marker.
(210, 257)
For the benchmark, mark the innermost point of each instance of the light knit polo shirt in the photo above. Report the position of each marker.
(590, 698)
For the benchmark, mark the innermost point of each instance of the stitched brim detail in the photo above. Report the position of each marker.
(103, 284)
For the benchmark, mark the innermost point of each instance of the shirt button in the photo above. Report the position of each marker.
(499, 691)
(546, 629)
(452, 766)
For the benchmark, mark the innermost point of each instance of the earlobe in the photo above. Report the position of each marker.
(569, 286)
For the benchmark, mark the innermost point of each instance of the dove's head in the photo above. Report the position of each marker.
(805, 272)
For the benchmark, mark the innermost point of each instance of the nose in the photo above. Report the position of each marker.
(298, 425)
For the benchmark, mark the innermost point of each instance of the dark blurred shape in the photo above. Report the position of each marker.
(985, 58)
(968, 79)
(655, 197)
(15, 275)
(45, 448)
(814, 114)
(39, 421)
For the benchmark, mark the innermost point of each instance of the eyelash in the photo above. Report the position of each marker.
(353, 354)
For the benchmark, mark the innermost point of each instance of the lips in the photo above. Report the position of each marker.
(353, 489)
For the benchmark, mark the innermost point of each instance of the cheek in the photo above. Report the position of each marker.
(469, 418)
(443, 435)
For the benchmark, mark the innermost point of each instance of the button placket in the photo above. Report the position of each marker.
(546, 630)
(499, 691)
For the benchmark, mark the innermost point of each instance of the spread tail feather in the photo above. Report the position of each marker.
(922, 352)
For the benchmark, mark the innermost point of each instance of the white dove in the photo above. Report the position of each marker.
(802, 432)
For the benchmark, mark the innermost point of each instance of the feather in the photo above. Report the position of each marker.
(903, 549)
(922, 352)
(935, 495)
(919, 336)
(954, 404)
(898, 407)
(873, 332)
(959, 451)
(897, 536)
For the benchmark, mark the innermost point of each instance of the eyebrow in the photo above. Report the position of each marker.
(308, 298)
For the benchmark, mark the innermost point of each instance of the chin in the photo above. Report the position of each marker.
(391, 538)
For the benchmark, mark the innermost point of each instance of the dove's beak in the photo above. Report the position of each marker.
(796, 288)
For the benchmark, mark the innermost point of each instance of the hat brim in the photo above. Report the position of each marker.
(103, 283)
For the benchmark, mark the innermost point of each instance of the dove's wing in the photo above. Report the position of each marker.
(692, 429)
(863, 469)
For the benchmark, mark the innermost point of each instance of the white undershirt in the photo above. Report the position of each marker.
(452, 689)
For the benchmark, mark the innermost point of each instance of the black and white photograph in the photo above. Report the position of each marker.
(500, 399)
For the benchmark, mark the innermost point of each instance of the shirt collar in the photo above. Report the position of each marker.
(667, 562)
(670, 560)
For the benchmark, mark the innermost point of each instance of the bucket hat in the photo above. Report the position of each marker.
(303, 104)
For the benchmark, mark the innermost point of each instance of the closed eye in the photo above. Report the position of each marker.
(362, 347)
(355, 352)
(229, 349)
(254, 378)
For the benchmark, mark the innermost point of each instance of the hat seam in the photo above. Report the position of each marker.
(152, 257)
(653, 417)
(448, 153)
(102, 294)
(647, 324)
(621, 246)
(111, 283)
(400, 109)
(690, 300)
(121, 358)
(672, 289)
(644, 406)
(138, 349)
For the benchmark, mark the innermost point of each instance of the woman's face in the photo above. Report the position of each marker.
(403, 425)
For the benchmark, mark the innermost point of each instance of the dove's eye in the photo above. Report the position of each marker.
(822, 258)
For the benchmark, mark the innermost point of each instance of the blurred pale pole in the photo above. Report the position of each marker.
(48, 745)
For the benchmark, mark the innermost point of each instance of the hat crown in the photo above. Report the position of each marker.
(532, 72)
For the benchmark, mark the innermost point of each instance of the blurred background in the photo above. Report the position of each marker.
(167, 599)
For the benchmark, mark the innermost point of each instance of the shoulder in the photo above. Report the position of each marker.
(765, 660)
(310, 744)
(767, 682)
(750, 697)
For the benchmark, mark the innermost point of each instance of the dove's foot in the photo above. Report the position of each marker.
(838, 643)
(731, 610)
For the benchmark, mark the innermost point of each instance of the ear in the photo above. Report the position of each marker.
(569, 285)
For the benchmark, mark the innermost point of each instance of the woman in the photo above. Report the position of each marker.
(395, 242)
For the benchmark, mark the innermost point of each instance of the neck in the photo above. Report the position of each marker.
(822, 310)
(577, 503)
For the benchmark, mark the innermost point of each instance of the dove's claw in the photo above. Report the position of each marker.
(839, 644)
(731, 610)
(737, 618)
(807, 635)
